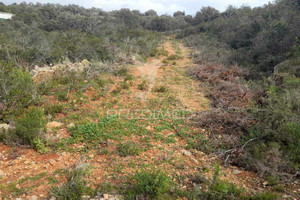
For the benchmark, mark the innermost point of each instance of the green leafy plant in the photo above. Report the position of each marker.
(150, 184)
(129, 149)
(52, 109)
(40, 146)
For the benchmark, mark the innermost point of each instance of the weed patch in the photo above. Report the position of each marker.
(153, 185)
(129, 149)
(76, 186)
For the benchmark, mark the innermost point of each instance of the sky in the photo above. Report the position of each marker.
(161, 6)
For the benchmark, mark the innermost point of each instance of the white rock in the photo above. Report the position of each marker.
(52, 125)
(52, 162)
(86, 197)
(5, 127)
(105, 196)
(34, 197)
(2, 174)
(185, 152)
(236, 171)
(71, 125)
(195, 161)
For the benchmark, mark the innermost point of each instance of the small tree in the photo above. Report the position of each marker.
(161, 24)
(151, 13)
(206, 14)
(179, 14)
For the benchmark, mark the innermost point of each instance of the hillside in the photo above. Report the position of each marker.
(130, 105)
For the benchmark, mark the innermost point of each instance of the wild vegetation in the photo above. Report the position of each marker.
(87, 100)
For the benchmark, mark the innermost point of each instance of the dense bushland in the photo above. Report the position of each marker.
(46, 34)
(257, 38)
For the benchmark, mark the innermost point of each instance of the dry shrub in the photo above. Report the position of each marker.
(226, 89)
(225, 127)
(213, 74)
(230, 98)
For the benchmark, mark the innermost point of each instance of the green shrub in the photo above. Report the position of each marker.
(277, 133)
(121, 72)
(152, 185)
(62, 95)
(129, 149)
(273, 180)
(153, 52)
(117, 91)
(52, 109)
(128, 77)
(174, 57)
(201, 143)
(76, 186)
(162, 52)
(143, 86)
(30, 125)
(101, 83)
(125, 85)
(160, 89)
(224, 190)
(40, 146)
(264, 196)
(17, 90)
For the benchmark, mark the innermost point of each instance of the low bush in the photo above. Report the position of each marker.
(223, 190)
(162, 52)
(149, 185)
(160, 89)
(39, 145)
(28, 128)
(174, 57)
(143, 86)
(76, 186)
(125, 85)
(153, 52)
(129, 149)
(52, 109)
(123, 71)
(17, 90)
(277, 131)
(30, 125)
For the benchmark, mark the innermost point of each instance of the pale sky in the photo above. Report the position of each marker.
(161, 6)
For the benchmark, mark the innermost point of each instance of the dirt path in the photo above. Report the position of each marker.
(159, 71)
(149, 73)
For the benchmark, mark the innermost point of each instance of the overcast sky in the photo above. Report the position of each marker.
(161, 6)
